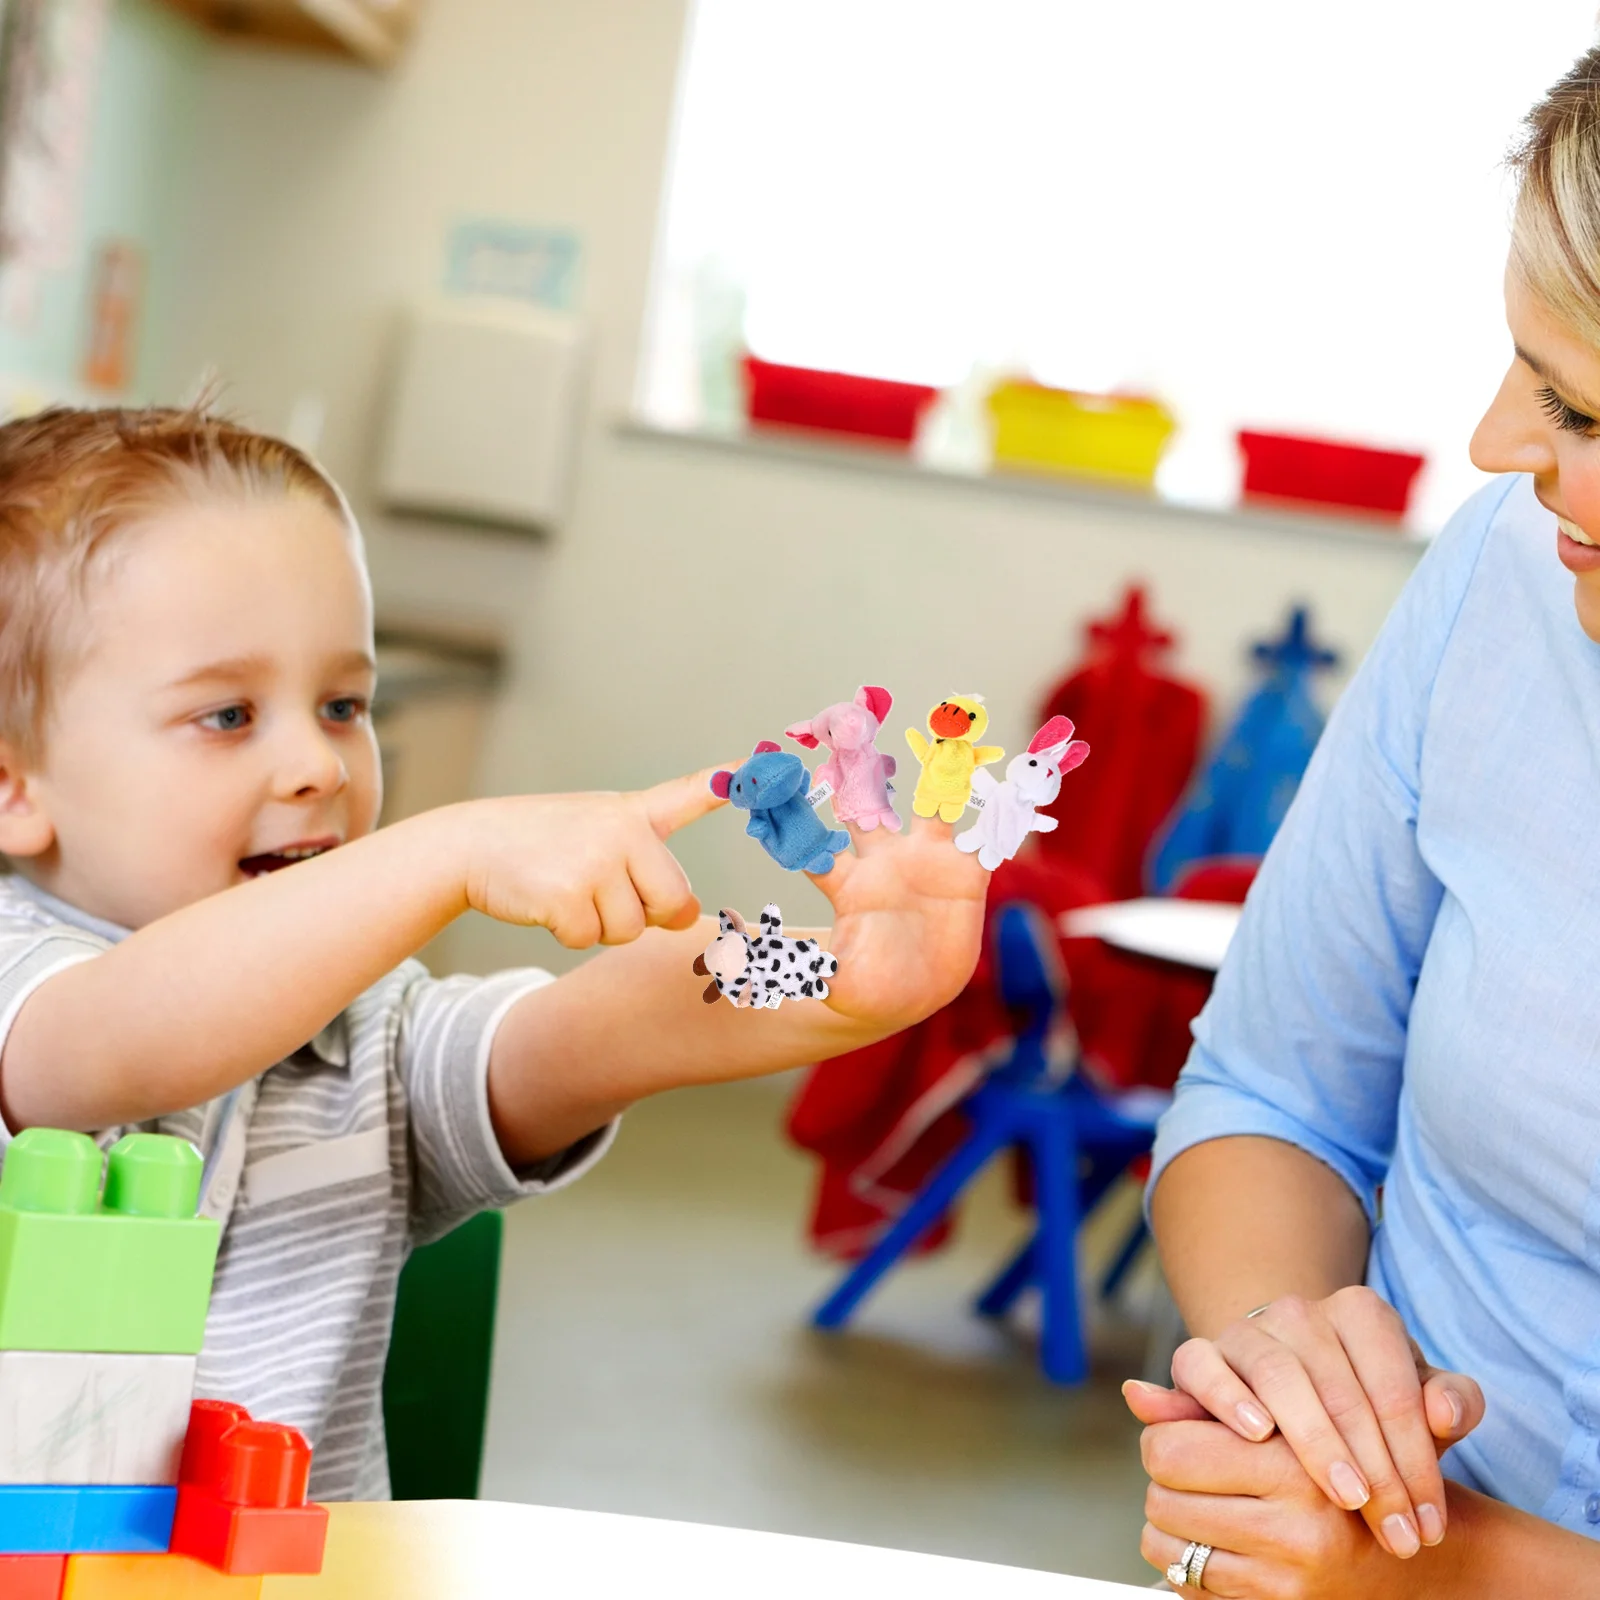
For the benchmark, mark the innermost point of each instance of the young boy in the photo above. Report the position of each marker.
(202, 932)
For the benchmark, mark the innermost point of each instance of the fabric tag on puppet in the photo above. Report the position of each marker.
(823, 791)
(888, 787)
(975, 801)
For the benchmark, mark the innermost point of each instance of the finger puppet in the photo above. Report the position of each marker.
(1009, 809)
(771, 785)
(765, 970)
(855, 771)
(949, 762)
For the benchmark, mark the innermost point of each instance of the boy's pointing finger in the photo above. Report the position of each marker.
(680, 801)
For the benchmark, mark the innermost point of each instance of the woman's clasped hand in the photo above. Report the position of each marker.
(1302, 1443)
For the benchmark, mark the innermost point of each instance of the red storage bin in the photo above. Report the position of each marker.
(833, 402)
(1280, 466)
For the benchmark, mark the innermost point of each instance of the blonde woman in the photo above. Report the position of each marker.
(1377, 1194)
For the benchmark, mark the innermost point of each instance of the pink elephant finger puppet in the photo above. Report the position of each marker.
(1010, 809)
(855, 771)
(772, 786)
(765, 970)
(949, 762)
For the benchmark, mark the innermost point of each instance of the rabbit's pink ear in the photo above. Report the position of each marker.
(1074, 755)
(802, 735)
(720, 784)
(764, 747)
(1056, 731)
(877, 701)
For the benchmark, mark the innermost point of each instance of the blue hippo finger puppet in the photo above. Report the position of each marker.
(771, 785)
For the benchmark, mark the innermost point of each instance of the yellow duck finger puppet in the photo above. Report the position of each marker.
(949, 761)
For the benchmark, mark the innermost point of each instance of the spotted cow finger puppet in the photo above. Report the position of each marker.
(950, 760)
(855, 771)
(1010, 809)
(763, 970)
(772, 786)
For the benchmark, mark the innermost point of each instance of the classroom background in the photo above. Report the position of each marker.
(689, 365)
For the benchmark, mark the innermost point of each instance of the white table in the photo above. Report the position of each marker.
(1194, 933)
(475, 1550)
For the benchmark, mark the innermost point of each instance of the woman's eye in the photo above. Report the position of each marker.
(1568, 418)
(230, 719)
(346, 708)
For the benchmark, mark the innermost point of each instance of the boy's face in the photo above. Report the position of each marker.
(219, 717)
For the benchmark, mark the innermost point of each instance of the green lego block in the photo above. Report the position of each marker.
(126, 1270)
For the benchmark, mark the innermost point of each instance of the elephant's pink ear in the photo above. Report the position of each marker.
(764, 747)
(877, 701)
(720, 783)
(1056, 731)
(802, 735)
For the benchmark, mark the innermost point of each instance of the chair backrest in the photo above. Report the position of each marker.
(1033, 986)
(436, 1385)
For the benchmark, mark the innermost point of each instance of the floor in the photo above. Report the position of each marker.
(652, 1357)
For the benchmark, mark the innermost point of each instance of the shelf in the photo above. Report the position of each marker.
(820, 450)
(370, 31)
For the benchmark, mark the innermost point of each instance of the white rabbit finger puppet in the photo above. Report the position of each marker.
(1010, 809)
(764, 969)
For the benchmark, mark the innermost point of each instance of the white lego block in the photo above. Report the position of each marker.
(113, 1419)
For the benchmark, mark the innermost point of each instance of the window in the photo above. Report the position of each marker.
(1267, 214)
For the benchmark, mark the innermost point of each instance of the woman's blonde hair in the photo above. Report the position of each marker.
(1555, 233)
(70, 481)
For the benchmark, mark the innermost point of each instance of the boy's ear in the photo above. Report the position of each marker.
(25, 828)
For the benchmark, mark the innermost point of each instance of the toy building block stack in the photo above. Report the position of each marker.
(105, 1279)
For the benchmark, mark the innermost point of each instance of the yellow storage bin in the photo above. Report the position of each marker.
(1092, 435)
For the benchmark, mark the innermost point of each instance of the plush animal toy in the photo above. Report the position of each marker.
(772, 787)
(949, 762)
(857, 774)
(766, 970)
(1009, 811)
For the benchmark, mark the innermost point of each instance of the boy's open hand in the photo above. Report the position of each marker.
(592, 868)
(908, 923)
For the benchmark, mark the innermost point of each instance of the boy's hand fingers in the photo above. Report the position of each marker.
(662, 888)
(621, 914)
(680, 801)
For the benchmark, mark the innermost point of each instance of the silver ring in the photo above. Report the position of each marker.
(1197, 1566)
(1178, 1571)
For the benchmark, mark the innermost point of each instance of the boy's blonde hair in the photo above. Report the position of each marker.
(1555, 234)
(69, 480)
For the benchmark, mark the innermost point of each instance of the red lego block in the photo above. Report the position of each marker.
(242, 1495)
(248, 1539)
(32, 1577)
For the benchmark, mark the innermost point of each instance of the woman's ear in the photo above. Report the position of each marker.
(25, 828)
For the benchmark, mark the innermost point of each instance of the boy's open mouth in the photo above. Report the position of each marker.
(273, 860)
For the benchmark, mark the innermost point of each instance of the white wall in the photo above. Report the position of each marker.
(700, 598)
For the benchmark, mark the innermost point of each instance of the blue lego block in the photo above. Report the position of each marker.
(54, 1519)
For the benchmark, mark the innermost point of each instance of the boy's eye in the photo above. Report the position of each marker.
(230, 719)
(345, 708)
(1566, 417)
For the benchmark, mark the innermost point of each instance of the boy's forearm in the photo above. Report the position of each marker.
(186, 1008)
(1242, 1220)
(630, 1023)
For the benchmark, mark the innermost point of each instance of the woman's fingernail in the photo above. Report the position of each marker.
(1136, 1383)
(1455, 1411)
(1253, 1419)
(1349, 1485)
(1430, 1524)
(1401, 1535)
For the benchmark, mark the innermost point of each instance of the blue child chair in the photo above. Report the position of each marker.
(1079, 1139)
